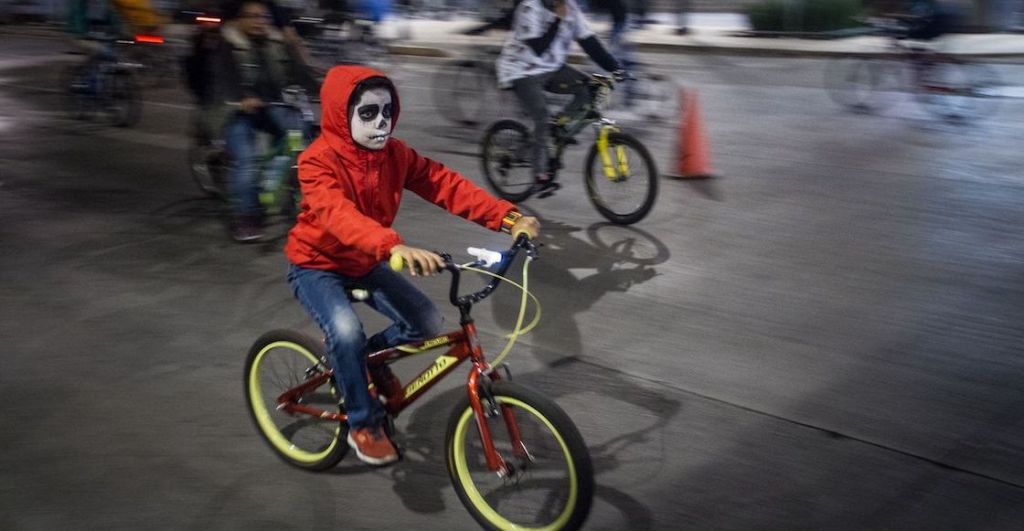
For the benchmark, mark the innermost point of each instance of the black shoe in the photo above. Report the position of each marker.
(247, 229)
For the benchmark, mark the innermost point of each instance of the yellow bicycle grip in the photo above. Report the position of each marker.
(523, 232)
(396, 262)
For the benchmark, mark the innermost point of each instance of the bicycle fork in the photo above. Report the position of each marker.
(485, 407)
(619, 170)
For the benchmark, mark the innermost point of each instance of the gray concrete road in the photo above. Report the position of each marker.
(826, 337)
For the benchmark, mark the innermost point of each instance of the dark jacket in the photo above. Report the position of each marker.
(237, 74)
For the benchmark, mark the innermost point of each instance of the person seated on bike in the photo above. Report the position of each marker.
(252, 66)
(352, 179)
(502, 22)
(281, 17)
(533, 60)
(925, 20)
(87, 19)
(933, 19)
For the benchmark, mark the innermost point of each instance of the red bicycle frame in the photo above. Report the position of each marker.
(463, 344)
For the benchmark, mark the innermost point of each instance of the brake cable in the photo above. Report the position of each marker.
(519, 330)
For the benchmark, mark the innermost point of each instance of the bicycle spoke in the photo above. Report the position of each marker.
(622, 181)
(301, 439)
(547, 486)
(537, 491)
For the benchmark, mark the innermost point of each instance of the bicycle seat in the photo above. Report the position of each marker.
(357, 293)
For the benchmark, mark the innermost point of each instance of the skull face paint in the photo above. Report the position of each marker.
(371, 119)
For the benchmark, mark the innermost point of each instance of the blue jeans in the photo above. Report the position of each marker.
(241, 141)
(414, 317)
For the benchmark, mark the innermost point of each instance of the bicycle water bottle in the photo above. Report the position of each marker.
(295, 141)
(272, 177)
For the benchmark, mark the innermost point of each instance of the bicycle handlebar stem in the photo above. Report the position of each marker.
(465, 302)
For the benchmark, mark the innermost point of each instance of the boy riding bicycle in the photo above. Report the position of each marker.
(352, 178)
(533, 60)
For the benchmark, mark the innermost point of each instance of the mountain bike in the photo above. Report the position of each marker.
(647, 94)
(514, 456)
(344, 39)
(278, 168)
(619, 173)
(104, 85)
(946, 85)
(465, 90)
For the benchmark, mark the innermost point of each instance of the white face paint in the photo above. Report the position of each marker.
(371, 119)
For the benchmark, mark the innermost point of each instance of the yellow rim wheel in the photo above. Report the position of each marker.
(551, 472)
(300, 438)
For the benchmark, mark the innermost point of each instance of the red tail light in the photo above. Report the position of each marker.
(149, 39)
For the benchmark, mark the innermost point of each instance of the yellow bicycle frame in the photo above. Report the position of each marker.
(606, 158)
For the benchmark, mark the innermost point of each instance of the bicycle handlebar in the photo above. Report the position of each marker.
(522, 241)
(292, 97)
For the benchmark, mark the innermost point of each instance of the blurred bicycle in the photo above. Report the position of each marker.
(465, 92)
(344, 39)
(104, 85)
(948, 86)
(279, 190)
(620, 174)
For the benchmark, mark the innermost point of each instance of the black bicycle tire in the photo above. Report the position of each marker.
(340, 447)
(563, 425)
(652, 180)
(72, 102)
(198, 153)
(995, 87)
(460, 107)
(840, 87)
(125, 81)
(485, 160)
(654, 91)
(969, 71)
(291, 195)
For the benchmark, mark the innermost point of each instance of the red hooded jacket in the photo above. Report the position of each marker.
(350, 194)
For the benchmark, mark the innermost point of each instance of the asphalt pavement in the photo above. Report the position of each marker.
(826, 336)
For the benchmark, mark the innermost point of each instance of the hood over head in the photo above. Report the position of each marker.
(335, 96)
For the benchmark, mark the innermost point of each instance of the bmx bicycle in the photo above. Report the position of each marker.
(514, 456)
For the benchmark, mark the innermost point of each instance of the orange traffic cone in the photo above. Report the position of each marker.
(694, 161)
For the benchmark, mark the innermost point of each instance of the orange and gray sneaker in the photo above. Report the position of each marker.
(372, 446)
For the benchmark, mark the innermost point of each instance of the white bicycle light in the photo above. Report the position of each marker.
(486, 257)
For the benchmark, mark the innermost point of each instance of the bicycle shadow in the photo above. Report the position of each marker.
(707, 187)
(421, 480)
(207, 218)
(578, 267)
(622, 257)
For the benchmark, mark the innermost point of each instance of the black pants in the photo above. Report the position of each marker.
(530, 92)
